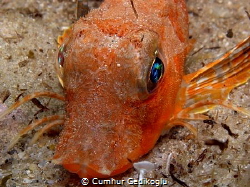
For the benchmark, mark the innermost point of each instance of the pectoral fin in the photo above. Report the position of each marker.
(210, 86)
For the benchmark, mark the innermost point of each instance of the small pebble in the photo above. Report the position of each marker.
(27, 181)
(21, 155)
(33, 167)
(230, 33)
(50, 181)
(27, 172)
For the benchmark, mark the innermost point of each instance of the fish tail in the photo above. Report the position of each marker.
(210, 86)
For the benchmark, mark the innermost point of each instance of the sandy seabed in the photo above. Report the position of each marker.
(28, 52)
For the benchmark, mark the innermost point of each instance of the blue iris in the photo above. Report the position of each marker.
(61, 55)
(156, 71)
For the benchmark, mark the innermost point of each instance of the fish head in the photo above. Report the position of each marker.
(120, 88)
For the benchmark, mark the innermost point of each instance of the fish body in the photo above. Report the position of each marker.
(116, 107)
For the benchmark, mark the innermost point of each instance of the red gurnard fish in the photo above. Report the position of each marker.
(121, 67)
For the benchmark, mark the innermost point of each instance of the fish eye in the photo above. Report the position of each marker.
(155, 74)
(60, 63)
(60, 57)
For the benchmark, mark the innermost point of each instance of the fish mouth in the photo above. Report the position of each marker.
(100, 149)
(84, 170)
